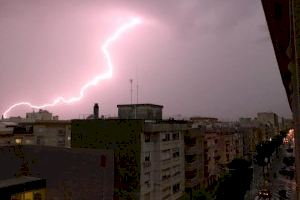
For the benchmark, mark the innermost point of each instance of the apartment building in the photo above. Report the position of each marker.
(48, 133)
(162, 150)
(194, 158)
(211, 157)
(149, 153)
(41, 115)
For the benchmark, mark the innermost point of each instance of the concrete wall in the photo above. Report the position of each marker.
(73, 173)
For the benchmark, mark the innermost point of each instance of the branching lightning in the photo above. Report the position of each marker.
(93, 82)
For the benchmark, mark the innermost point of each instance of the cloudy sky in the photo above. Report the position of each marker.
(195, 57)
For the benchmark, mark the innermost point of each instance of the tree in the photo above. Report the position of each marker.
(235, 184)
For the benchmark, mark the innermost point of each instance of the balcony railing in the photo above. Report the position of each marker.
(146, 164)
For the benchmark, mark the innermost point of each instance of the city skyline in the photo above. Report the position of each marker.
(52, 52)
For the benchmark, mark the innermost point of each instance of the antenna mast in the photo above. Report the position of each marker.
(130, 91)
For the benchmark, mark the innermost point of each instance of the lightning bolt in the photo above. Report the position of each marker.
(93, 82)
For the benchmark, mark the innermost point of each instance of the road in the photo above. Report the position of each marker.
(275, 182)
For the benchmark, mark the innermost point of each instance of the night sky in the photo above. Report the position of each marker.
(196, 57)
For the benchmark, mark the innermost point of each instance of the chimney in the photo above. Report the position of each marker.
(96, 111)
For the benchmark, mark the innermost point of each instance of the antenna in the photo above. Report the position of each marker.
(137, 92)
(131, 90)
(137, 85)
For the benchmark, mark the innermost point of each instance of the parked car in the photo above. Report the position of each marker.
(265, 194)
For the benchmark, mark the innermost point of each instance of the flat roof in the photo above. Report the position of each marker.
(139, 105)
(47, 122)
(18, 181)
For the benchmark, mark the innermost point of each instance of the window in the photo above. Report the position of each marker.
(147, 179)
(191, 174)
(147, 137)
(40, 140)
(103, 161)
(190, 158)
(175, 136)
(61, 133)
(166, 137)
(37, 196)
(166, 154)
(165, 174)
(176, 170)
(18, 141)
(147, 196)
(147, 156)
(176, 152)
(176, 188)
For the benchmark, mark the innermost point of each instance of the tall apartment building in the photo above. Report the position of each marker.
(283, 18)
(194, 158)
(149, 154)
(211, 157)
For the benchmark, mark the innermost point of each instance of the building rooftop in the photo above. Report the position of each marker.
(17, 181)
(140, 105)
(49, 122)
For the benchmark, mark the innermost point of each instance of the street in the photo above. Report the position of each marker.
(273, 181)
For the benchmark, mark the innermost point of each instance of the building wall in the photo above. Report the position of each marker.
(77, 174)
(266, 118)
(211, 157)
(194, 168)
(40, 115)
(162, 175)
(45, 133)
(121, 136)
(52, 134)
(140, 111)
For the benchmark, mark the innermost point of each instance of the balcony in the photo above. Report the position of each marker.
(193, 165)
(191, 150)
(190, 183)
(146, 164)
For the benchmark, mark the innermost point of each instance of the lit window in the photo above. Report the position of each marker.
(18, 141)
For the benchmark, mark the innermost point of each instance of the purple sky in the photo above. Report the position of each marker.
(196, 57)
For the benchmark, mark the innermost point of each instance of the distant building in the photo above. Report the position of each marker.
(140, 111)
(287, 124)
(223, 142)
(77, 174)
(204, 120)
(149, 155)
(268, 118)
(41, 115)
(48, 133)
(24, 187)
